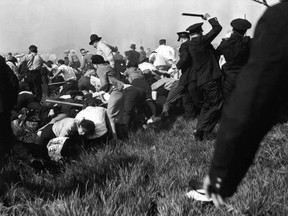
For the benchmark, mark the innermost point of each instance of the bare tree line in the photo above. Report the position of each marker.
(264, 2)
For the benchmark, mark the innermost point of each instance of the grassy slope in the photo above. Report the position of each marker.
(149, 174)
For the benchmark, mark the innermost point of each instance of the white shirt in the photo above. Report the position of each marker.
(97, 115)
(167, 52)
(64, 127)
(157, 59)
(103, 49)
(146, 66)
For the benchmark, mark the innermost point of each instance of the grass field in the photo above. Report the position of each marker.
(148, 175)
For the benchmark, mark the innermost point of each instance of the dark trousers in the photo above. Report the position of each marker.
(34, 80)
(135, 97)
(84, 84)
(46, 135)
(212, 104)
(69, 86)
(229, 86)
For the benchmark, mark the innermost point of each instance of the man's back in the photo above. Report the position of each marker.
(203, 56)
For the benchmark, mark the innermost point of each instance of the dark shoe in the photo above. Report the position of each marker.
(198, 135)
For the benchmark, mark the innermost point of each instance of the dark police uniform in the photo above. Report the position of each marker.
(208, 76)
(253, 107)
(9, 87)
(236, 51)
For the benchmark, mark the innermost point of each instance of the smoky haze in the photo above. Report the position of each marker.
(56, 25)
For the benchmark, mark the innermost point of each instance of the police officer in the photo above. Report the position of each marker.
(183, 64)
(207, 75)
(253, 108)
(236, 50)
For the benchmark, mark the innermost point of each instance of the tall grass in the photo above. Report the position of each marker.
(148, 175)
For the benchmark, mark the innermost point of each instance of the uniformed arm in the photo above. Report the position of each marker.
(216, 29)
(253, 106)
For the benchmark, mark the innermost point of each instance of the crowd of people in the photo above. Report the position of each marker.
(105, 95)
(115, 94)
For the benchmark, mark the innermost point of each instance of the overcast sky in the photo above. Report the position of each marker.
(69, 23)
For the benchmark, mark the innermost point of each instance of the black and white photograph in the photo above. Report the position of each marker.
(144, 107)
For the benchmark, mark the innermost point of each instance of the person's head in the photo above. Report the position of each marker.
(94, 39)
(9, 54)
(97, 60)
(240, 26)
(195, 29)
(83, 51)
(49, 63)
(61, 62)
(132, 64)
(85, 127)
(141, 48)
(72, 51)
(183, 36)
(162, 42)
(33, 49)
(133, 46)
(66, 52)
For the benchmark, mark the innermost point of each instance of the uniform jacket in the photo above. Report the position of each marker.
(236, 51)
(185, 63)
(203, 55)
(254, 105)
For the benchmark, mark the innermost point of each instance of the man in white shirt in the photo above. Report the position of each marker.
(98, 115)
(166, 51)
(68, 74)
(102, 49)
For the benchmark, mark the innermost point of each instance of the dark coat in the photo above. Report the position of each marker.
(9, 87)
(236, 51)
(254, 105)
(203, 55)
(184, 64)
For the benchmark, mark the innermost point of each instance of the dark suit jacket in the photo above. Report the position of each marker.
(203, 55)
(184, 63)
(9, 87)
(253, 107)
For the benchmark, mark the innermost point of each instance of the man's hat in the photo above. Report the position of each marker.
(241, 24)
(93, 38)
(183, 34)
(133, 46)
(195, 28)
